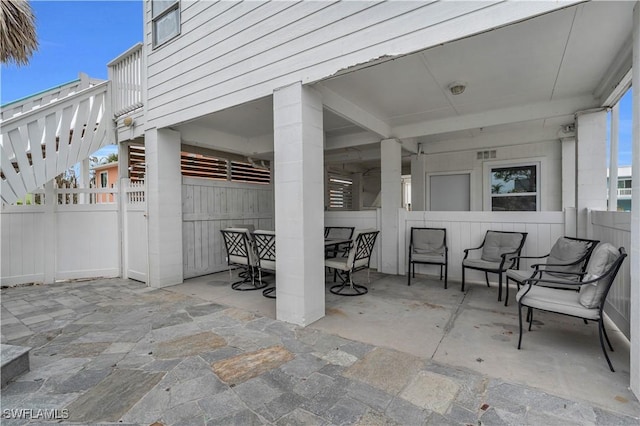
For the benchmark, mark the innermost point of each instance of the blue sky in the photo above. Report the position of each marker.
(624, 135)
(83, 36)
(74, 37)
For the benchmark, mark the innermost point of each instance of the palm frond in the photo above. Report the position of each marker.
(18, 38)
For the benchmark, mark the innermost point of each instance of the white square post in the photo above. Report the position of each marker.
(164, 192)
(418, 183)
(390, 202)
(591, 169)
(299, 204)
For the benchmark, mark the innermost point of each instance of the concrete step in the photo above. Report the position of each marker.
(15, 361)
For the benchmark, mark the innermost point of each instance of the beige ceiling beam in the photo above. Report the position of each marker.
(534, 111)
(353, 112)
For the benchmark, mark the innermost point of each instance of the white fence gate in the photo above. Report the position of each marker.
(135, 231)
(60, 234)
(209, 206)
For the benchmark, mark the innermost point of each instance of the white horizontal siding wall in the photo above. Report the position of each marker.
(510, 149)
(231, 52)
(615, 228)
(467, 230)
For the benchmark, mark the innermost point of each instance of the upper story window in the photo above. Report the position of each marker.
(514, 188)
(166, 20)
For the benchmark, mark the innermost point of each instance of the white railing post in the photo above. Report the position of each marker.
(125, 73)
(613, 159)
(49, 237)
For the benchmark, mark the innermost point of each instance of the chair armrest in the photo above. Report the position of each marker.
(541, 265)
(531, 257)
(535, 281)
(512, 259)
(466, 251)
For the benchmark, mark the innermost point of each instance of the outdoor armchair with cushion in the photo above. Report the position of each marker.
(428, 246)
(266, 251)
(587, 304)
(337, 233)
(567, 260)
(241, 253)
(358, 258)
(500, 251)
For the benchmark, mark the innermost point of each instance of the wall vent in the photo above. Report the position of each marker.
(485, 155)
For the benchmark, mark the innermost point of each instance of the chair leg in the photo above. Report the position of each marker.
(440, 272)
(604, 331)
(500, 287)
(530, 315)
(520, 323)
(446, 274)
(409, 275)
(506, 296)
(486, 277)
(604, 350)
(462, 289)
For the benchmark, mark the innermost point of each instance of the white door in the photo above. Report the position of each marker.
(450, 192)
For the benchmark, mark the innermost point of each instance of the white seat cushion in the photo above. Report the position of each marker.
(438, 258)
(519, 274)
(481, 264)
(561, 301)
(339, 263)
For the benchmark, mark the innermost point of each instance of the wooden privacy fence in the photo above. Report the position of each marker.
(61, 233)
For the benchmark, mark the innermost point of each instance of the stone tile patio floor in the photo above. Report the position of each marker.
(115, 351)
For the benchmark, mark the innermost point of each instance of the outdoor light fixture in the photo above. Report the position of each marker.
(128, 121)
(457, 87)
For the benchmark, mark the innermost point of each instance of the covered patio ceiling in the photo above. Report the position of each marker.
(530, 75)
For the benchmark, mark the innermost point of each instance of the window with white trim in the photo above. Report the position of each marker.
(165, 17)
(340, 189)
(514, 187)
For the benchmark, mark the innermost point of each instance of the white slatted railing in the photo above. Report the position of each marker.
(44, 98)
(39, 144)
(126, 74)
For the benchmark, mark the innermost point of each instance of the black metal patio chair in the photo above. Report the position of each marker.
(358, 258)
(586, 304)
(241, 253)
(266, 250)
(428, 246)
(500, 251)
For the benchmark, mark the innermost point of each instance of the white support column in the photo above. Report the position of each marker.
(634, 255)
(613, 158)
(299, 204)
(591, 155)
(390, 201)
(418, 183)
(164, 192)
